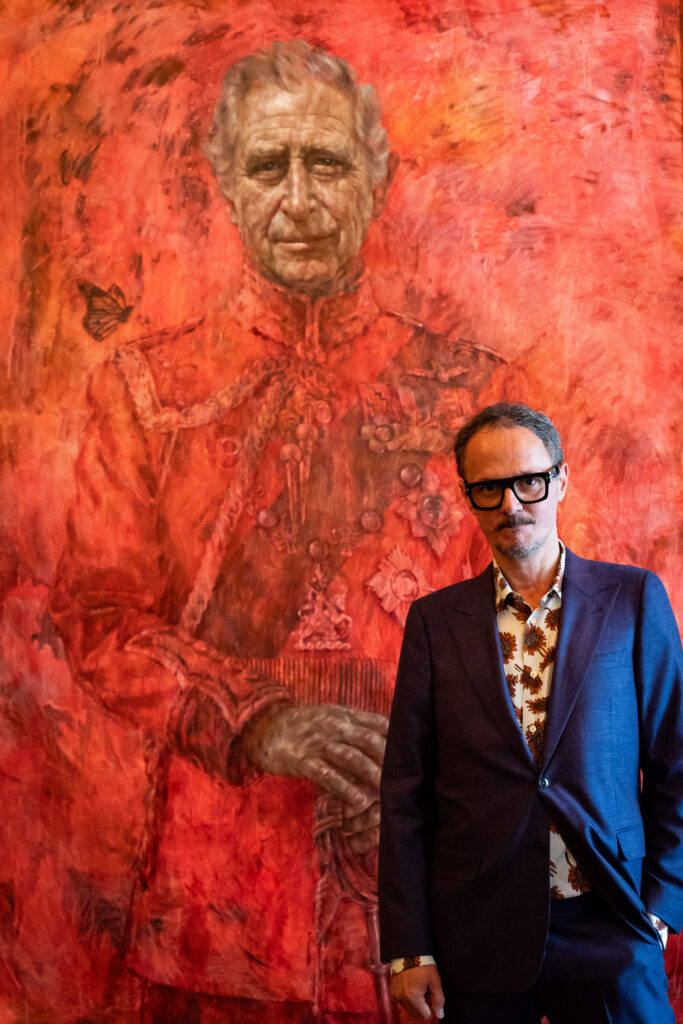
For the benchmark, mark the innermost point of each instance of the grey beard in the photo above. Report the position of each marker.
(521, 550)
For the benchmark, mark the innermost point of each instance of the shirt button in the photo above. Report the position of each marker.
(543, 782)
(532, 728)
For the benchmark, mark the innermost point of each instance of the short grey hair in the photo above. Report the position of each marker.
(287, 65)
(509, 414)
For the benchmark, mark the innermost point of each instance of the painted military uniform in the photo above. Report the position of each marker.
(260, 499)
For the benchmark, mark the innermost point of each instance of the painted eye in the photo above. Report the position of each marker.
(326, 166)
(267, 170)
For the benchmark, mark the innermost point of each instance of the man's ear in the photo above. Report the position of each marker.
(564, 480)
(461, 485)
(381, 191)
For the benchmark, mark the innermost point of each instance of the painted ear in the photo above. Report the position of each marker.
(232, 213)
(226, 190)
(381, 191)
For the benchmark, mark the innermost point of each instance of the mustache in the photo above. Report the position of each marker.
(518, 520)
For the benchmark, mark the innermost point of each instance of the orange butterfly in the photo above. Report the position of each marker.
(105, 310)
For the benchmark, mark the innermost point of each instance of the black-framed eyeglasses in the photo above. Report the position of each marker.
(528, 488)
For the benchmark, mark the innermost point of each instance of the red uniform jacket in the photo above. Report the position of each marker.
(260, 498)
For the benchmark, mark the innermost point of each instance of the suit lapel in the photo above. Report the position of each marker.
(472, 622)
(585, 610)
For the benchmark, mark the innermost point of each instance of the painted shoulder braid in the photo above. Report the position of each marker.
(154, 415)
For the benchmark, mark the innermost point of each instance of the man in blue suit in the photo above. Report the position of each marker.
(524, 868)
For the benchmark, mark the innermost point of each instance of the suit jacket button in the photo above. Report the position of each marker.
(543, 782)
(538, 845)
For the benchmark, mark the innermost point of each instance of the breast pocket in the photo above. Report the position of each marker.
(611, 658)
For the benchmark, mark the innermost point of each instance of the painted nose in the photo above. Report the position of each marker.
(298, 197)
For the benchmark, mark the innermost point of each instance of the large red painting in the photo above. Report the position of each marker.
(226, 443)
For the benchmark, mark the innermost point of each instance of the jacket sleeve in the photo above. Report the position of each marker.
(659, 673)
(407, 802)
(110, 600)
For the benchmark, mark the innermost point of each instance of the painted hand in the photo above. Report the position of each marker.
(362, 830)
(339, 749)
(418, 990)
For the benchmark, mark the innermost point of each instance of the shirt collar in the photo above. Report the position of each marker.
(506, 595)
(309, 326)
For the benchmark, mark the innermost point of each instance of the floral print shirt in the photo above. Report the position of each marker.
(528, 639)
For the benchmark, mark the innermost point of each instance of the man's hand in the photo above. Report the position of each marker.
(339, 749)
(418, 990)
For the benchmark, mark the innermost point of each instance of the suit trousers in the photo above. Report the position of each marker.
(595, 970)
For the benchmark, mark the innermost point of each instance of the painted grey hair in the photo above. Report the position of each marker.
(509, 414)
(288, 65)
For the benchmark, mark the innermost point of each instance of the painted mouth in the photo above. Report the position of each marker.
(297, 244)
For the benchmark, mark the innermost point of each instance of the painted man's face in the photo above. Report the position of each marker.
(301, 193)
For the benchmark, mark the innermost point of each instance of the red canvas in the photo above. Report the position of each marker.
(155, 383)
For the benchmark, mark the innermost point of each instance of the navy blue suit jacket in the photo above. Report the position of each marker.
(466, 811)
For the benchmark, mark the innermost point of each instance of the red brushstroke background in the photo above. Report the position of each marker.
(537, 207)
